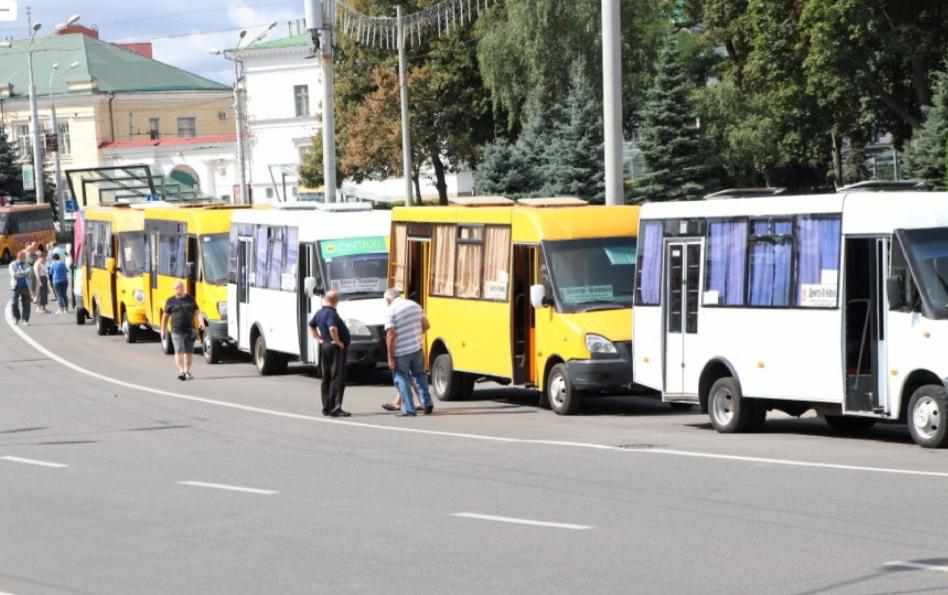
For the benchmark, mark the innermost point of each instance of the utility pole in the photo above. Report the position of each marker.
(403, 92)
(612, 99)
(320, 24)
(239, 114)
(38, 176)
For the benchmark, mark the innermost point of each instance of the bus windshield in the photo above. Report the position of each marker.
(594, 274)
(133, 253)
(928, 249)
(215, 251)
(356, 266)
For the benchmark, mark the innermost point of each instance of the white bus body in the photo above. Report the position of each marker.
(283, 260)
(837, 303)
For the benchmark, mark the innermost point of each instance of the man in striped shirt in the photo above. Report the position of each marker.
(405, 325)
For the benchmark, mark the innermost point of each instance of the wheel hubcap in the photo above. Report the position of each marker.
(722, 406)
(927, 418)
(441, 378)
(259, 352)
(558, 391)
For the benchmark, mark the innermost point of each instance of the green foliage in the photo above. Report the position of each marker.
(504, 170)
(11, 175)
(311, 170)
(926, 154)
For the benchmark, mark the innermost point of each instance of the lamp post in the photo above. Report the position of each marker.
(60, 201)
(234, 56)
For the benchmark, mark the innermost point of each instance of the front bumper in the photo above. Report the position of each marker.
(368, 351)
(603, 373)
(136, 315)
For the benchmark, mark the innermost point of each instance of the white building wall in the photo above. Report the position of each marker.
(215, 165)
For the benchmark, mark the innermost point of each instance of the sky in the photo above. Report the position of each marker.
(184, 32)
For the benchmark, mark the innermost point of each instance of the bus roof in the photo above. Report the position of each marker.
(533, 224)
(862, 212)
(199, 219)
(122, 218)
(315, 225)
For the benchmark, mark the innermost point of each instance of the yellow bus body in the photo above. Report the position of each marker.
(16, 238)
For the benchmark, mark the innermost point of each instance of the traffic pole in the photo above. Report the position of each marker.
(403, 92)
(612, 100)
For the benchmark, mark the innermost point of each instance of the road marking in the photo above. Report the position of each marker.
(467, 436)
(516, 521)
(916, 566)
(230, 488)
(34, 462)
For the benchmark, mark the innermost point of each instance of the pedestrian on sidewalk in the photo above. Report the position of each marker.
(405, 325)
(333, 336)
(20, 284)
(42, 281)
(183, 313)
(59, 275)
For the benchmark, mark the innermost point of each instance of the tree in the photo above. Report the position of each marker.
(11, 174)
(926, 154)
(503, 170)
(311, 169)
(670, 138)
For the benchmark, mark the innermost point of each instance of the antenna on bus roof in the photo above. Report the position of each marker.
(744, 193)
(886, 186)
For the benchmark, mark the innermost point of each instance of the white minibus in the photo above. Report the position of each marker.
(837, 303)
(282, 260)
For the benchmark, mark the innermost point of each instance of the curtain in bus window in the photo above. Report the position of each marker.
(650, 264)
(467, 283)
(496, 263)
(290, 267)
(400, 257)
(232, 253)
(770, 264)
(818, 240)
(442, 277)
(727, 242)
(262, 245)
(277, 251)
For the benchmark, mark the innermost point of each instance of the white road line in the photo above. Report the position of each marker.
(230, 488)
(34, 462)
(481, 437)
(916, 566)
(516, 521)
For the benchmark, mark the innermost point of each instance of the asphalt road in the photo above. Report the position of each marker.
(118, 478)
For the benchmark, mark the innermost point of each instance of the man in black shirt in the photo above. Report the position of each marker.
(333, 336)
(183, 313)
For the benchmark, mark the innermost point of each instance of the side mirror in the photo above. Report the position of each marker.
(309, 285)
(191, 271)
(895, 292)
(110, 265)
(539, 298)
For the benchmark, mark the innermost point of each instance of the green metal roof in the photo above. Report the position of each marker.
(293, 41)
(114, 69)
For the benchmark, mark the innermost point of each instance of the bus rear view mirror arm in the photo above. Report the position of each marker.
(539, 297)
(895, 292)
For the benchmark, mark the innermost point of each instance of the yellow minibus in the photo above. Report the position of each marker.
(21, 225)
(535, 294)
(190, 243)
(111, 270)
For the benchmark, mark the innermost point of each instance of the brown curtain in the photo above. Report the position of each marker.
(470, 263)
(399, 257)
(442, 271)
(496, 263)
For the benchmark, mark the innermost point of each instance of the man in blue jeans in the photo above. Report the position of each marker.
(20, 284)
(405, 325)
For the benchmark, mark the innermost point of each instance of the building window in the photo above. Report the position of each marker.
(23, 144)
(64, 144)
(301, 97)
(154, 128)
(187, 127)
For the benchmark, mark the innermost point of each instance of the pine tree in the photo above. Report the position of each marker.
(926, 155)
(671, 142)
(503, 171)
(11, 175)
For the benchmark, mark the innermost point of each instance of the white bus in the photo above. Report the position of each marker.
(283, 260)
(837, 303)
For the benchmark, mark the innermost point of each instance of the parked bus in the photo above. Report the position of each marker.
(327, 246)
(112, 266)
(190, 243)
(835, 303)
(536, 294)
(20, 225)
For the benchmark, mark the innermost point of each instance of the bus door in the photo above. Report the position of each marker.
(308, 302)
(416, 286)
(524, 321)
(866, 266)
(245, 260)
(683, 264)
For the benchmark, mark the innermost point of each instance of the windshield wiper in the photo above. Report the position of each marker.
(600, 305)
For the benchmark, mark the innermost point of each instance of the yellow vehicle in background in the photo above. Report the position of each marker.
(21, 225)
(535, 294)
(190, 243)
(111, 270)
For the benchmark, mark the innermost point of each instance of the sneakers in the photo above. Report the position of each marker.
(429, 409)
(389, 407)
(188, 376)
(182, 376)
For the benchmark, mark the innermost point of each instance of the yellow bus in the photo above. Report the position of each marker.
(112, 268)
(190, 243)
(21, 225)
(535, 294)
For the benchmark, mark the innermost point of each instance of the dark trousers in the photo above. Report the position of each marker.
(22, 303)
(332, 362)
(62, 294)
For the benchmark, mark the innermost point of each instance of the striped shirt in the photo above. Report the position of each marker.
(405, 317)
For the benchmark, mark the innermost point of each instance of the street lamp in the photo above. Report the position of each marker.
(60, 201)
(234, 56)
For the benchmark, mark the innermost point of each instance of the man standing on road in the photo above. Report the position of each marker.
(333, 336)
(183, 312)
(59, 273)
(405, 325)
(20, 284)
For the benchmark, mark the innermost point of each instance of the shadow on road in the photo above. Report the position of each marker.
(893, 433)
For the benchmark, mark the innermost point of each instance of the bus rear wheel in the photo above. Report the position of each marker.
(167, 345)
(212, 350)
(928, 416)
(102, 325)
(730, 412)
(267, 362)
(81, 315)
(447, 384)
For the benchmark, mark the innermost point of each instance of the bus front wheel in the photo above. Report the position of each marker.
(447, 384)
(167, 345)
(212, 350)
(730, 412)
(102, 326)
(129, 331)
(563, 398)
(928, 416)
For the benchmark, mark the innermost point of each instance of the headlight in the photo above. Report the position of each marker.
(357, 328)
(139, 296)
(222, 309)
(596, 344)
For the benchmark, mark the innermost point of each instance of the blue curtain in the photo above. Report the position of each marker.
(650, 277)
(262, 247)
(771, 260)
(727, 243)
(818, 242)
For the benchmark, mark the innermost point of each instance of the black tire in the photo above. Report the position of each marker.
(563, 398)
(102, 326)
(6, 257)
(928, 416)
(448, 385)
(167, 345)
(129, 331)
(730, 412)
(81, 315)
(846, 424)
(267, 362)
(212, 350)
